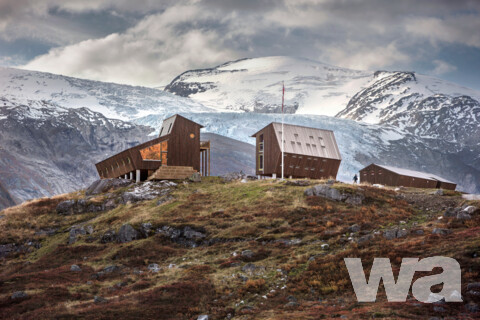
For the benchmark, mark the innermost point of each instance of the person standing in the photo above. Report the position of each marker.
(355, 179)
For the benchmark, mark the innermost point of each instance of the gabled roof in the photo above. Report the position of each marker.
(414, 174)
(307, 141)
(167, 124)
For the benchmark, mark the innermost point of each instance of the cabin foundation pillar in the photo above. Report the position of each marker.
(131, 175)
(126, 177)
(137, 176)
(274, 176)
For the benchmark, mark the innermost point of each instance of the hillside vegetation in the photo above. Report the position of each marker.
(230, 250)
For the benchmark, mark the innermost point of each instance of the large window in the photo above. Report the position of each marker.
(157, 152)
(260, 162)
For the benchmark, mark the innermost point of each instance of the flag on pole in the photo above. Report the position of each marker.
(283, 144)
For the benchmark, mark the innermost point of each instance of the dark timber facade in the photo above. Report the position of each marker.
(309, 152)
(396, 177)
(177, 150)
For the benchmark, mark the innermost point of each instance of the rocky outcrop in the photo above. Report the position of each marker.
(127, 233)
(187, 236)
(331, 193)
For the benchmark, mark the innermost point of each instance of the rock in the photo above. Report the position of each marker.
(110, 269)
(104, 185)
(292, 298)
(89, 229)
(441, 231)
(145, 191)
(243, 181)
(109, 236)
(99, 299)
(462, 215)
(291, 304)
(66, 207)
(402, 233)
(190, 233)
(46, 232)
(438, 192)
(450, 213)
(390, 234)
(247, 254)
(330, 182)
(196, 177)
(325, 246)
(232, 176)
(438, 309)
(354, 228)
(323, 190)
(19, 295)
(163, 200)
(298, 183)
(145, 229)
(365, 238)
(249, 268)
(203, 317)
(127, 233)
(75, 268)
(418, 232)
(74, 231)
(153, 267)
(470, 209)
(355, 200)
(472, 307)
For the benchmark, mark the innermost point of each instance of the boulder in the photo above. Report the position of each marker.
(441, 231)
(473, 286)
(354, 228)
(110, 269)
(390, 234)
(438, 192)
(66, 207)
(450, 213)
(145, 229)
(291, 304)
(463, 215)
(75, 268)
(19, 295)
(472, 307)
(104, 185)
(203, 317)
(365, 238)
(108, 236)
(153, 267)
(325, 191)
(247, 254)
(402, 233)
(196, 177)
(470, 209)
(249, 268)
(190, 233)
(74, 232)
(127, 233)
(69, 207)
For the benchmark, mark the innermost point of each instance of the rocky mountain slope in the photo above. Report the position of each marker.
(228, 250)
(47, 149)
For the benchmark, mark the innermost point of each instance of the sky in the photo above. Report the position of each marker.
(150, 42)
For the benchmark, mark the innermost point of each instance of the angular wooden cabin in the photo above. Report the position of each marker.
(177, 153)
(309, 152)
(396, 177)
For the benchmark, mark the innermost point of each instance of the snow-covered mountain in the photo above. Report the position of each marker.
(114, 101)
(255, 85)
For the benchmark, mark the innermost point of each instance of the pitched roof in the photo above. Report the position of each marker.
(308, 141)
(167, 124)
(414, 174)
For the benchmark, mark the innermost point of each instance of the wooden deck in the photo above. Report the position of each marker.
(172, 173)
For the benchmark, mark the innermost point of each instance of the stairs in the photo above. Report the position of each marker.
(172, 173)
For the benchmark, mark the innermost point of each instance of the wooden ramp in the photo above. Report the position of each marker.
(172, 173)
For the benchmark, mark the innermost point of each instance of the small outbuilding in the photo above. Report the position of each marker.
(176, 154)
(308, 152)
(396, 177)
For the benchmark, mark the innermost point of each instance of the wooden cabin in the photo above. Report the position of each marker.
(396, 177)
(177, 153)
(309, 152)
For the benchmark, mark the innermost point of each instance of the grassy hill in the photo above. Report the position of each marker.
(229, 250)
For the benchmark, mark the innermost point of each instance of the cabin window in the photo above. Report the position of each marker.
(170, 127)
(312, 169)
(321, 170)
(260, 143)
(294, 156)
(324, 160)
(118, 166)
(128, 160)
(123, 162)
(192, 135)
(157, 152)
(300, 157)
(113, 168)
(315, 159)
(161, 130)
(306, 169)
(290, 167)
(260, 162)
(297, 167)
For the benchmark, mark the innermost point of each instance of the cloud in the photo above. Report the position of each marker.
(150, 54)
(157, 40)
(442, 67)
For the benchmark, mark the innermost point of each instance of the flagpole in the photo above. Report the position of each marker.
(283, 143)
